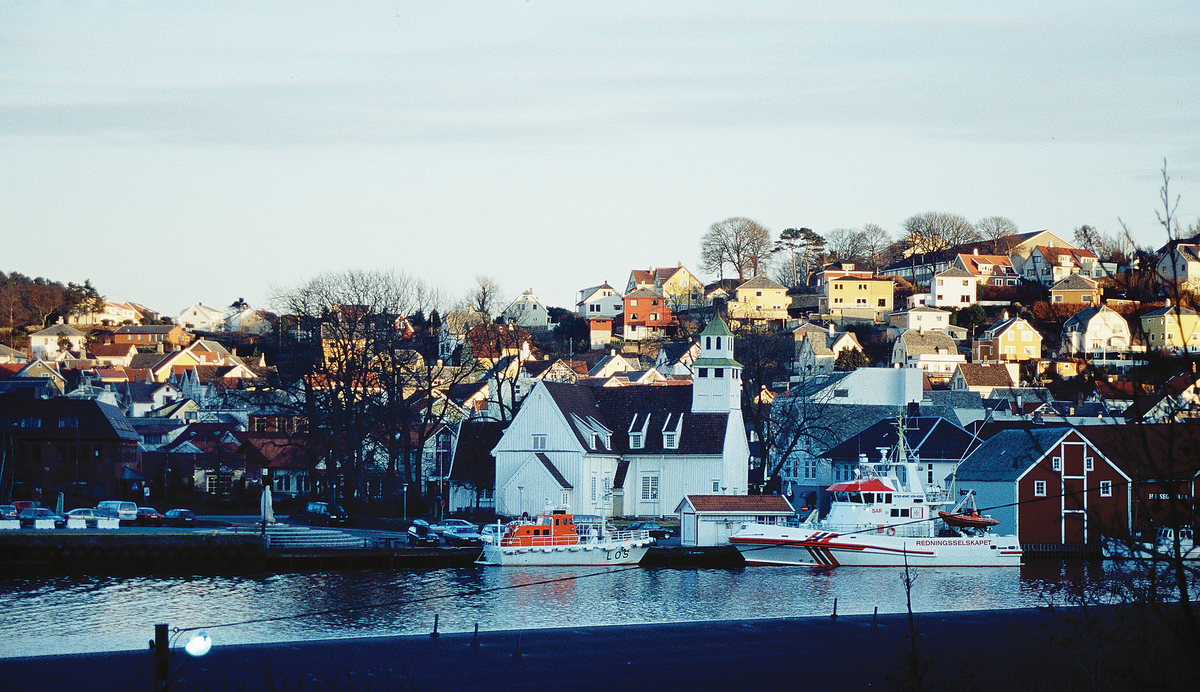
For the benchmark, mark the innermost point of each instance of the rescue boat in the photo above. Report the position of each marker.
(553, 538)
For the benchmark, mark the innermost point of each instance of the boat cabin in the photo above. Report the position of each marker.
(555, 528)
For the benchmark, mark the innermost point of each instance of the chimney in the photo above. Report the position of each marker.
(1168, 302)
(1003, 315)
(976, 251)
(679, 265)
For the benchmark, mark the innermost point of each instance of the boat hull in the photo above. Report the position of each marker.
(580, 554)
(780, 545)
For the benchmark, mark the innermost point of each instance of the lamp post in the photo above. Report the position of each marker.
(405, 500)
(520, 502)
(160, 646)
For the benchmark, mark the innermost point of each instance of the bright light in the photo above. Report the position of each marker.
(199, 644)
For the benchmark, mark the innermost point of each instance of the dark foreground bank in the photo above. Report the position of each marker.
(983, 650)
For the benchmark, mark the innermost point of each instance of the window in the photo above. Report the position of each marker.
(810, 468)
(883, 302)
(1090, 464)
(649, 487)
(1105, 488)
(703, 372)
(1056, 463)
(1039, 488)
(860, 301)
(718, 372)
(70, 422)
(965, 299)
(539, 442)
(718, 343)
(633, 301)
(716, 486)
(837, 301)
(670, 440)
(862, 287)
(654, 317)
(637, 440)
(593, 488)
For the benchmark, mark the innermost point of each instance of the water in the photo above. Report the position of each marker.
(55, 615)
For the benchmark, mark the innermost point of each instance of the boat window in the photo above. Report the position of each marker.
(544, 520)
(869, 498)
(887, 498)
(840, 497)
(855, 497)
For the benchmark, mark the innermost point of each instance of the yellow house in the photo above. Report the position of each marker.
(679, 286)
(1011, 339)
(1172, 327)
(759, 301)
(858, 298)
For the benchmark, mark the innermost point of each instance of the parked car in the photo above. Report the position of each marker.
(656, 530)
(9, 512)
(148, 516)
(22, 505)
(461, 536)
(179, 517)
(444, 524)
(28, 516)
(324, 514)
(491, 532)
(88, 514)
(421, 534)
(121, 509)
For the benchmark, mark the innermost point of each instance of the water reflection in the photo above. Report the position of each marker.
(74, 614)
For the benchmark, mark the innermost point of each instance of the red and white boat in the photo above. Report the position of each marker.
(555, 539)
(886, 517)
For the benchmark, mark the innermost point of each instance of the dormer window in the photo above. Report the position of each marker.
(670, 440)
(637, 440)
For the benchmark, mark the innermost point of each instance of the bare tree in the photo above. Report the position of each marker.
(844, 244)
(736, 242)
(345, 321)
(935, 232)
(996, 230)
(485, 296)
(877, 246)
(1108, 248)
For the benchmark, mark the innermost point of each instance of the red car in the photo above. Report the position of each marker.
(148, 516)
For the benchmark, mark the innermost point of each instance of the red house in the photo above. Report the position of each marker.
(1053, 487)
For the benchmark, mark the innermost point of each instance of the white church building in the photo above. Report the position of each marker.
(630, 451)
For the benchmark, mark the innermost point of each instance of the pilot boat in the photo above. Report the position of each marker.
(884, 517)
(553, 538)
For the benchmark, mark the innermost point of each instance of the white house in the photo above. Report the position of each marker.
(600, 301)
(931, 352)
(199, 318)
(528, 312)
(1096, 331)
(635, 450)
(45, 343)
(954, 288)
(1179, 266)
(921, 318)
(819, 351)
(706, 520)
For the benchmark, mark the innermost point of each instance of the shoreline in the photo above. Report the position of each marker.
(996, 649)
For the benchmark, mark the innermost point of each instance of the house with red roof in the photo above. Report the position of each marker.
(707, 520)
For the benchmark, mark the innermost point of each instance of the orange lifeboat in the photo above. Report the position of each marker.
(972, 520)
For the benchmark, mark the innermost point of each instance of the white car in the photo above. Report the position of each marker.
(444, 524)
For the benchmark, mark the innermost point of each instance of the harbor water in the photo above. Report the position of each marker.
(54, 615)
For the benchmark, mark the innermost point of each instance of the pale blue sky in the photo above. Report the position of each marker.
(176, 152)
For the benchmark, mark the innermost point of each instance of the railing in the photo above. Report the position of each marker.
(573, 539)
(920, 529)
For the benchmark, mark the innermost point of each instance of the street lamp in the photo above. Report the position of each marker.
(197, 646)
(405, 500)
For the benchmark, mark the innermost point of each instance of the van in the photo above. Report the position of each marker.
(122, 510)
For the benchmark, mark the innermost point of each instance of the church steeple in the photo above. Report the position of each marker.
(716, 376)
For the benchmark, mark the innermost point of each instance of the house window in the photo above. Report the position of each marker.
(670, 440)
(637, 440)
(718, 372)
(1056, 463)
(1039, 488)
(70, 422)
(860, 301)
(633, 301)
(810, 468)
(883, 302)
(539, 442)
(716, 486)
(718, 343)
(1090, 464)
(703, 372)
(965, 299)
(862, 287)
(649, 487)
(1105, 488)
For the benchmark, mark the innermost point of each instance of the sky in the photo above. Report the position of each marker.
(203, 151)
